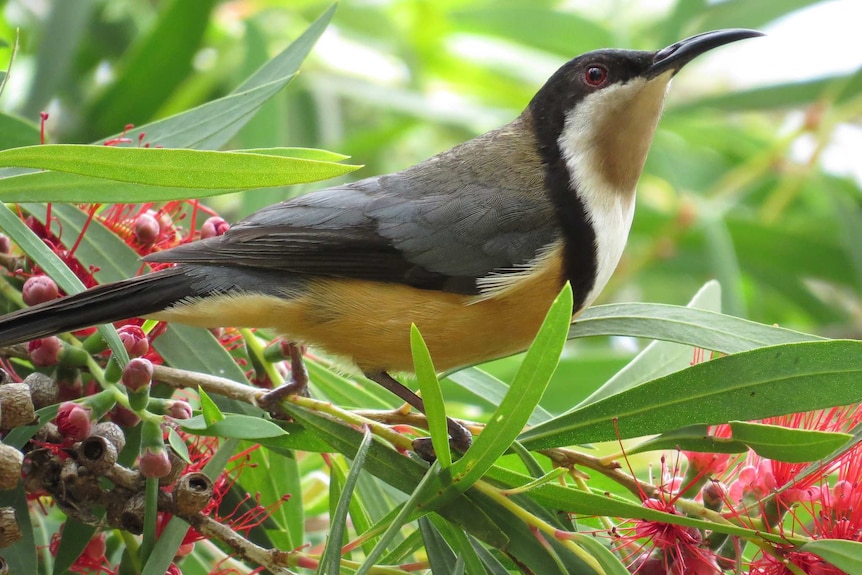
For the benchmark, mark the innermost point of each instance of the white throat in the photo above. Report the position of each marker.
(604, 144)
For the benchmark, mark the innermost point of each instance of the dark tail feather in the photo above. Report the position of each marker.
(106, 303)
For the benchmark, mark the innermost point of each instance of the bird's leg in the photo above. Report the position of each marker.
(298, 384)
(459, 437)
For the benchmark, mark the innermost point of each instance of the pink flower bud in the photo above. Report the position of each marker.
(154, 463)
(179, 409)
(124, 416)
(5, 244)
(214, 226)
(146, 229)
(138, 374)
(134, 340)
(38, 289)
(45, 352)
(73, 421)
(714, 495)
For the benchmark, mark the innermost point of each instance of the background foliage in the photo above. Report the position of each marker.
(726, 194)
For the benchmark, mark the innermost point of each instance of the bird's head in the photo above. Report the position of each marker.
(599, 111)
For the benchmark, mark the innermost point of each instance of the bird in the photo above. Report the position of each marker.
(472, 245)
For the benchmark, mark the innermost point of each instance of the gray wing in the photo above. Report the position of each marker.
(437, 226)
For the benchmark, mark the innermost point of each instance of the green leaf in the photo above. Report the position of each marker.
(15, 132)
(492, 564)
(441, 559)
(330, 561)
(73, 540)
(488, 388)
(178, 445)
(659, 357)
(523, 396)
(209, 410)
(751, 385)
(703, 329)
(402, 473)
(75, 188)
(843, 554)
(235, 426)
(347, 391)
(432, 397)
(195, 169)
(407, 509)
(787, 444)
(459, 542)
(689, 438)
(197, 349)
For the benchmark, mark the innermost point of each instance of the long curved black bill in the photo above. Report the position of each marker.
(681, 53)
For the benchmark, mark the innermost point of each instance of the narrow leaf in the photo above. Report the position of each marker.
(699, 328)
(432, 397)
(750, 385)
(659, 357)
(210, 411)
(407, 509)
(15, 132)
(330, 561)
(440, 556)
(690, 438)
(235, 426)
(786, 444)
(195, 169)
(843, 554)
(523, 396)
(178, 445)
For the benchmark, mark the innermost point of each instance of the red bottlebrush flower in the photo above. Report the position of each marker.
(214, 226)
(73, 421)
(45, 352)
(38, 289)
(246, 514)
(755, 477)
(659, 547)
(138, 374)
(837, 514)
(134, 340)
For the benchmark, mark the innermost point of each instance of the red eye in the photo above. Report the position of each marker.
(596, 75)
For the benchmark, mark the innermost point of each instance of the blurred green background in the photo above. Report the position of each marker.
(754, 177)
